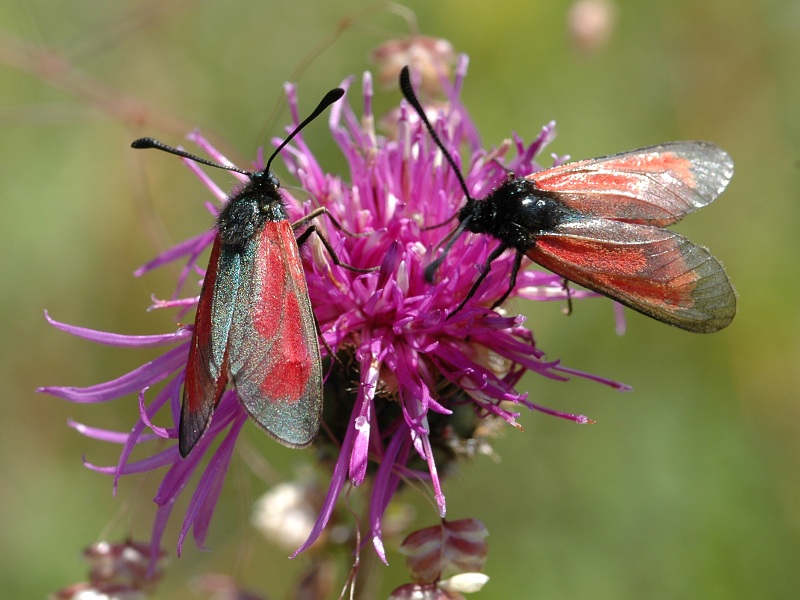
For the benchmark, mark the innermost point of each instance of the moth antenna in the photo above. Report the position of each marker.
(329, 98)
(147, 142)
(411, 97)
(408, 92)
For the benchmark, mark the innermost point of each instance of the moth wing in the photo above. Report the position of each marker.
(657, 185)
(654, 271)
(206, 369)
(273, 349)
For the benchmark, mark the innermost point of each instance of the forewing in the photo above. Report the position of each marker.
(273, 351)
(206, 369)
(657, 185)
(651, 270)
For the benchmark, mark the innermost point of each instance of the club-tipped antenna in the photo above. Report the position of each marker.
(147, 142)
(411, 97)
(326, 101)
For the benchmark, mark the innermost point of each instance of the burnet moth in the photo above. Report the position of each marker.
(254, 325)
(600, 223)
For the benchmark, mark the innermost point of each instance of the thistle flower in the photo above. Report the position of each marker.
(407, 389)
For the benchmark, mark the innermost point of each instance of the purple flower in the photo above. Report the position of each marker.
(401, 370)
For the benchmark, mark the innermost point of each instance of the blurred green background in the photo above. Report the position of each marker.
(686, 488)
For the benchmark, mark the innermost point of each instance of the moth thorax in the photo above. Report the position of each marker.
(240, 220)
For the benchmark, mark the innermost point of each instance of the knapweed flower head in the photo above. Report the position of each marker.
(119, 570)
(407, 389)
(430, 58)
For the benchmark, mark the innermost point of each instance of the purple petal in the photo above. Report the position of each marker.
(119, 340)
(191, 247)
(205, 497)
(386, 482)
(359, 457)
(145, 376)
(338, 478)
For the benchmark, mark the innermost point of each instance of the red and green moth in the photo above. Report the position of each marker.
(600, 223)
(254, 327)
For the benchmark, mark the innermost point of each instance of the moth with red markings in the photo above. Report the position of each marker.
(600, 223)
(254, 326)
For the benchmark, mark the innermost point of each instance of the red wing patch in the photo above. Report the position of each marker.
(274, 352)
(655, 186)
(653, 271)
